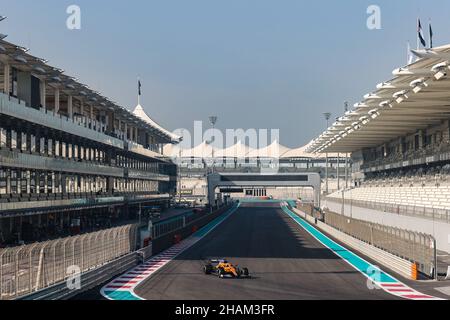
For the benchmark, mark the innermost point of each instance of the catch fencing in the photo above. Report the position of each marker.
(169, 225)
(29, 268)
(412, 246)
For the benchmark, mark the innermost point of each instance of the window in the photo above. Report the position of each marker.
(3, 173)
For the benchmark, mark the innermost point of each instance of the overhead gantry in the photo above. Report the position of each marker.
(243, 180)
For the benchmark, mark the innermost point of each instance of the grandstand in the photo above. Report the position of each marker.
(72, 160)
(399, 138)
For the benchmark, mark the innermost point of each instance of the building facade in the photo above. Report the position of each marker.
(68, 154)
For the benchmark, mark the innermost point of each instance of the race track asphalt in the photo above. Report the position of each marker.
(284, 260)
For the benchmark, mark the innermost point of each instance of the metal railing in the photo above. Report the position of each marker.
(412, 246)
(419, 157)
(18, 109)
(163, 227)
(400, 209)
(29, 268)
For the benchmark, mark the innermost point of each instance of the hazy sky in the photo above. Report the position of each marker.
(254, 64)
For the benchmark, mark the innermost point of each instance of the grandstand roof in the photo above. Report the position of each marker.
(19, 58)
(140, 113)
(416, 97)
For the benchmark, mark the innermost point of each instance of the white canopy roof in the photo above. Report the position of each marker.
(140, 113)
(203, 150)
(415, 98)
(274, 150)
(297, 153)
(302, 153)
(239, 150)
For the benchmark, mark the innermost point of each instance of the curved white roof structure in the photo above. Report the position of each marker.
(203, 150)
(297, 153)
(274, 150)
(415, 98)
(303, 153)
(239, 150)
(140, 113)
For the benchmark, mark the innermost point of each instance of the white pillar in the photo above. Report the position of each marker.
(337, 171)
(7, 79)
(70, 106)
(91, 112)
(346, 170)
(43, 94)
(326, 174)
(57, 96)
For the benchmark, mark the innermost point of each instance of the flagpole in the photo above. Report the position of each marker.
(430, 33)
(418, 30)
(139, 91)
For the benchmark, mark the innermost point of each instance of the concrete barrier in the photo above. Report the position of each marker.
(396, 264)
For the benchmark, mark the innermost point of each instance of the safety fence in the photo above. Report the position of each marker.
(191, 225)
(29, 268)
(169, 225)
(409, 245)
(400, 209)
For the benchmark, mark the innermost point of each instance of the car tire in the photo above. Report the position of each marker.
(207, 269)
(220, 273)
(245, 272)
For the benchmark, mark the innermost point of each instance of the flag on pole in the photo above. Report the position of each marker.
(139, 87)
(431, 36)
(420, 34)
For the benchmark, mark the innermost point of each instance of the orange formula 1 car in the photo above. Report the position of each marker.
(222, 268)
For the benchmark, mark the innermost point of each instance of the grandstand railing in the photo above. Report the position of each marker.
(412, 246)
(93, 130)
(406, 210)
(419, 157)
(29, 268)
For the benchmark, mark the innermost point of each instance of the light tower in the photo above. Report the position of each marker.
(327, 116)
(213, 121)
(346, 154)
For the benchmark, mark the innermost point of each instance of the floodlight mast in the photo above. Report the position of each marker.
(213, 121)
(327, 116)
